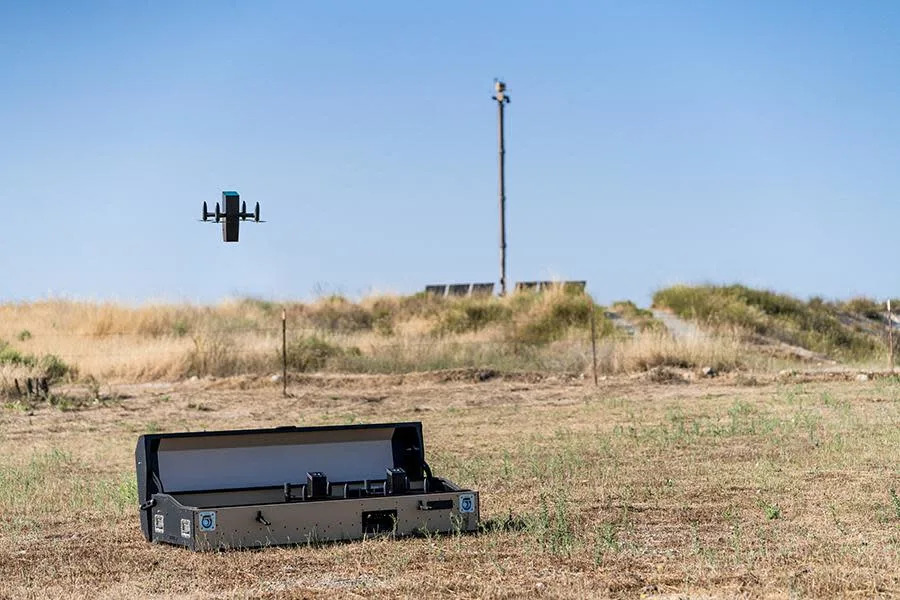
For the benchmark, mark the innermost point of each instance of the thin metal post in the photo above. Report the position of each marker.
(594, 342)
(890, 324)
(284, 352)
(501, 99)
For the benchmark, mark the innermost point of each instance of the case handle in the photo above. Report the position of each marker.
(436, 505)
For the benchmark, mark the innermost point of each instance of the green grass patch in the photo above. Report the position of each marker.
(313, 353)
(471, 314)
(815, 325)
(49, 365)
(540, 319)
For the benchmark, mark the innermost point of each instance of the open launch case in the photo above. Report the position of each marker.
(263, 487)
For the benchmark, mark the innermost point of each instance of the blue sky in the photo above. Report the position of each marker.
(648, 143)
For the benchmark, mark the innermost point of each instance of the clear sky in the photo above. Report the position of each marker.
(648, 143)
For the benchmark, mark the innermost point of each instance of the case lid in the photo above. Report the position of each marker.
(223, 460)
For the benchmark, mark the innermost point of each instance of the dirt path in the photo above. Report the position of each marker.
(678, 327)
(621, 323)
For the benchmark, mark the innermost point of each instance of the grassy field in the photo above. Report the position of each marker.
(549, 332)
(853, 330)
(764, 481)
(739, 486)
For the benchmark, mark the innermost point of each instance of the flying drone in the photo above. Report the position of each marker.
(235, 212)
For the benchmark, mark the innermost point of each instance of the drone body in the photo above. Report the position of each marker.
(235, 212)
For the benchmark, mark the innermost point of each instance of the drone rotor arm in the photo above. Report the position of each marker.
(232, 216)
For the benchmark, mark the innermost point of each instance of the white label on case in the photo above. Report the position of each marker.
(186, 528)
(467, 503)
(159, 523)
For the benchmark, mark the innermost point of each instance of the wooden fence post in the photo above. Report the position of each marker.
(284, 352)
(594, 342)
(890, 324)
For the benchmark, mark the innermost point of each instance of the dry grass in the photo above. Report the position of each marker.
(548, 333)
(111, 342)
(631, 489)
(719, 352)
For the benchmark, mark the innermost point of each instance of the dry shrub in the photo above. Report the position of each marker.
(313, 353)
(390, 312)
(665, 375)
(867, 307)
(48, 366)
(652, 350)
(333, 314)
(220, 354)
(212, 355)
(10, 373)
(465, 315)
(552, 315)
(406, 308)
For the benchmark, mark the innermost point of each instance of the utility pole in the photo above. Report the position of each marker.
(501, 98)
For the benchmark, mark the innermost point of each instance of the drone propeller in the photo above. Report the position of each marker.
(218, 213)
(244, 215)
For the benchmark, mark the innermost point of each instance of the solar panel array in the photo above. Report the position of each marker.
(545, 286)
(482, 289)
(486, 289)
(460, 289)
(436, 290)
